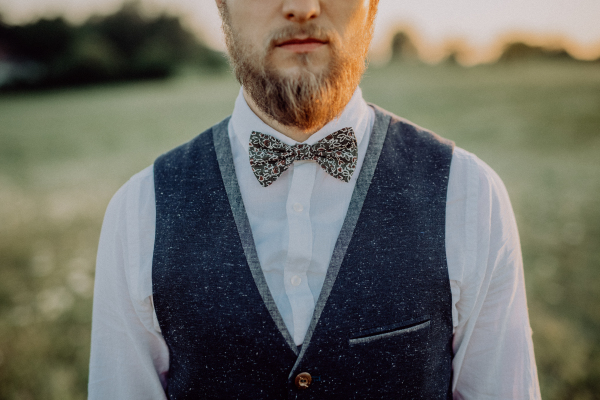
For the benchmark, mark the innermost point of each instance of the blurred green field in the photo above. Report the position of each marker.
(64, 153)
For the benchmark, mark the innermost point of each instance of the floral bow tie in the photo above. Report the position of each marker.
(336, 154)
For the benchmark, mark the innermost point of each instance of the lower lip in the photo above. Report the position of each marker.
(302, 47)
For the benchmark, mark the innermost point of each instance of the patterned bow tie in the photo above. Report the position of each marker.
(336, 154)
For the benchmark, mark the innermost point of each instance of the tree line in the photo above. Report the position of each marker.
(403, 49)
(125, 45)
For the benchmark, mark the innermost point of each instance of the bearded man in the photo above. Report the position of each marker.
(310, 246)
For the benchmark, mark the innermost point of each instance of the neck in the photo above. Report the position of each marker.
(292, 132)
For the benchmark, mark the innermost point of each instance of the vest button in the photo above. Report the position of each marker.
(303, 380)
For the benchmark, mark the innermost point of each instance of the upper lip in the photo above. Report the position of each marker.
(300, 40)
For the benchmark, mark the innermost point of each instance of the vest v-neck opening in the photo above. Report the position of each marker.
(228, 174)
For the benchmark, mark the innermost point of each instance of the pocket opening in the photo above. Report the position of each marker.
(390, 329)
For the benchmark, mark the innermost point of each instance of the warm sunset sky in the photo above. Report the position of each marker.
(478, 24)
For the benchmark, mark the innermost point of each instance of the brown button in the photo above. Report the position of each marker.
(303, 380)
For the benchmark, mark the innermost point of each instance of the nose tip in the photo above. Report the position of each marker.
(301, 10)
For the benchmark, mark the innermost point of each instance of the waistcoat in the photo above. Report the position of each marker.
(382, 326)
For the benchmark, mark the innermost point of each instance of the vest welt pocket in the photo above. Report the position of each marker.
(388, 331)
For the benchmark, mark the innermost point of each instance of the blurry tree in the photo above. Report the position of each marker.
(126, 45)
(521, 51)
(403, 48)
(93, 58)
(42, 41)
(452, 58)
(456, 48)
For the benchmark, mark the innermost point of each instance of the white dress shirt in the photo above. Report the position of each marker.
(295, 223)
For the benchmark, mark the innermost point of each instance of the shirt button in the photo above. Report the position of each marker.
(298, 207)
(303, 380)
(296, 280)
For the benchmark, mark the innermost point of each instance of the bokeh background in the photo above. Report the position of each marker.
(92, 91)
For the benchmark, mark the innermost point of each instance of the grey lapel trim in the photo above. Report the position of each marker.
(225, 158)
(380, 128)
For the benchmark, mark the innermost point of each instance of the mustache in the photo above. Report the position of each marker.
(291, 32)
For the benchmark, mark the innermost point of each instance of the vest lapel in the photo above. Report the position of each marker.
(380, 127)
(225, 159)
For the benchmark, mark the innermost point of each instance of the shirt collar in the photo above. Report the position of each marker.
(244, 121)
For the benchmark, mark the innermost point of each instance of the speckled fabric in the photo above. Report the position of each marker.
(270, 157)
(370, 338)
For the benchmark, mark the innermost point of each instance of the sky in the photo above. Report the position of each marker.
(478, 26)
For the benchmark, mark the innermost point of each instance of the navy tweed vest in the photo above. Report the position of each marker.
(382, 327)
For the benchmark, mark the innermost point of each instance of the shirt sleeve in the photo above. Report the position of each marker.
(129, 358)
(493, 349)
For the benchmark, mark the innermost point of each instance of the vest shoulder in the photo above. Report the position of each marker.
(411, 133)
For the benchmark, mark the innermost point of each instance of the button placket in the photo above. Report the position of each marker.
(299, 252)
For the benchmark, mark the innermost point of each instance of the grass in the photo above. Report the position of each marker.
(64, 153)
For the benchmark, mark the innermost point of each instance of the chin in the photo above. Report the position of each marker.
(297, 72)
(299, 69)
(297, 64)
